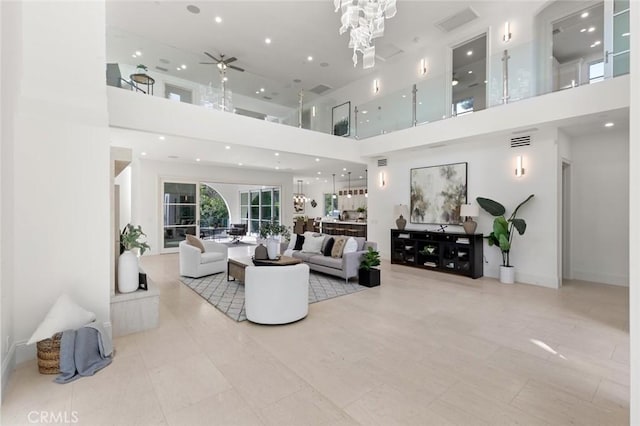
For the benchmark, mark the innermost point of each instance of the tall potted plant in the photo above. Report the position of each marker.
(369, 276)
(270, 231)
(502, 234)
(130, 239)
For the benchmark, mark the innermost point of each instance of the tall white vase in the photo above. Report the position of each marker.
(273, 247)
(128, 280)
(507, 274)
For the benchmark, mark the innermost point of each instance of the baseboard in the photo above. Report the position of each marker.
(619, 280)
(8, 365)
(530, 279)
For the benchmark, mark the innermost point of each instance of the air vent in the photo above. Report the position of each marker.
(456, 21)
(159, 68)
(387, 51)
(520, 141)
(320, 89)
(267, 98)
(382, 162)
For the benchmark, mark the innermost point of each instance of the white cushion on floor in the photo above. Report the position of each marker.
(65, 314)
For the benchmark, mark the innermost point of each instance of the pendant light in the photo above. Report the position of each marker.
(299, 196)
(366, 183)
(334, 196)
(349, 193)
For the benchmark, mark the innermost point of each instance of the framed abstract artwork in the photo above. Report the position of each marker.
(341, 119)
(437, 193)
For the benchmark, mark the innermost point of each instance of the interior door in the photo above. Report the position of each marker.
(616, 38)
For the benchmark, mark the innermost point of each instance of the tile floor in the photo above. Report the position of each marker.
(422, 349)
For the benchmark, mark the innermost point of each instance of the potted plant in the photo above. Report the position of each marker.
(130, 239)
(502, 234)
(141, 69)
(369, 276)
(269, 231)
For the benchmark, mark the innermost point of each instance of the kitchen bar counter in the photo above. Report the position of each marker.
(350, 228)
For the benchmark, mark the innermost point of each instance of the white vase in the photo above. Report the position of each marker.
(507, 274)
(272, 247)
(128, 280)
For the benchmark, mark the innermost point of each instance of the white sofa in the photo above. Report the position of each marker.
(195, 264)
(276, 294)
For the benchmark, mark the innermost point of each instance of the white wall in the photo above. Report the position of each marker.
(58, 190)
(600, 203)
(148, 175)
(491, 164)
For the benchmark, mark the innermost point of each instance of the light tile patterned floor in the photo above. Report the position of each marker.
(424, 348)
(228, 296)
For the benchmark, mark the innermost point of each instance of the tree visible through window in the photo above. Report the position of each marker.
(213, 209)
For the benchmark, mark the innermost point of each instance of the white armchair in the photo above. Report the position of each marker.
(195, 264)
(276, 294)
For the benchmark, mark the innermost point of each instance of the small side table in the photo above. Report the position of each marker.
(143, 79)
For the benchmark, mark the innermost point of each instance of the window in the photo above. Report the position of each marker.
(596, 71)
(259, 206)
(331, 205)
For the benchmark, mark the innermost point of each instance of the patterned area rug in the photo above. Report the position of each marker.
(228, 296)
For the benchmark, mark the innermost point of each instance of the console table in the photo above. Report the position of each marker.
(441, 251)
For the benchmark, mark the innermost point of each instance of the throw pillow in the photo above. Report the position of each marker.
(328, 246)
(292, 242)
(324, 243)
(192, 240)
(65, 314)
(299, 242)
(338, 247)
(351, 246)
(313, 244)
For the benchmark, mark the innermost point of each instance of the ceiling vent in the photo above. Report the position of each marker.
(520, 141)
(387, 51)
(159, 68)
(457, 20)
(382, 162)
(320, 89)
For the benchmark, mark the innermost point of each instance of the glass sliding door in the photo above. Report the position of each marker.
(617, 46)
(180, 210)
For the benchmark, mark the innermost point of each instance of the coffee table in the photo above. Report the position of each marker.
(235, 267)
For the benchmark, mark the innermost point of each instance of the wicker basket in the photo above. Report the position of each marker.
(49, 355)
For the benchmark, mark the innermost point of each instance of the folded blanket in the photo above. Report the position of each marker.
(83, 352)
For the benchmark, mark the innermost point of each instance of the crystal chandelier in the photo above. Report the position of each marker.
(299, 197)
(365, 21)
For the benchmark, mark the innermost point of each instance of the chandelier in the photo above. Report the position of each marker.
(299, 197)
(365, 21)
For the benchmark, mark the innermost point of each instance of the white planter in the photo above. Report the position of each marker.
(128, 272)
(273, 246)
(507, 274)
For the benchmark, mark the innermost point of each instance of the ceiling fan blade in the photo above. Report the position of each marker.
(208, 63)
(231, 59)
(236, 68)
(212, 57)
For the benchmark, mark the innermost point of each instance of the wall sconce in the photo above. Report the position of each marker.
(313, 111)
(381, 180)
(519, 168)
(376, 86)
(423, 66)
(507, 32)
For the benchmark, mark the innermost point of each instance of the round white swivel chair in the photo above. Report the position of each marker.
(276, 294)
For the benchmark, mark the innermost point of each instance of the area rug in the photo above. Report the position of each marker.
(228, 296)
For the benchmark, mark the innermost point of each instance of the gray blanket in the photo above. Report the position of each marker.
(83, 352)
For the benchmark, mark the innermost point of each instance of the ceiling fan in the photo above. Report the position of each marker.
(222, 63)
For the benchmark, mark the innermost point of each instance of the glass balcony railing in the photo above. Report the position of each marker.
(511, 75)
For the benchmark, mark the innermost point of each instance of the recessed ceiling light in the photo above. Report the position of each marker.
(225, 79)
(485, 82)
(583, 30)
(257, 92)
(359, 177)
(178, 69)
(404, 96)
(342, 175)
(344, 169)
(262, 89)
(609, 124)
(317, 159)
(309, 58)
(183, 66)
(161, 138)
(591, 29)
(584, 14)
(267, 40)
(276, 154)
(239, 164)
(227, 147)
(138, 53)
(133, 55)
(218, 19)
(197, 159)
(319, 173)
(277, 168)
(193, 9)
(143, 153)
(365, 111)
(470, 52)
(470, 72)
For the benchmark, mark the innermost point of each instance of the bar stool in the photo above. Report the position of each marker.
(352, 232)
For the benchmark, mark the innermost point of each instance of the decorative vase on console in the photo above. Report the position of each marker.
(400, 211)
(130, 238)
